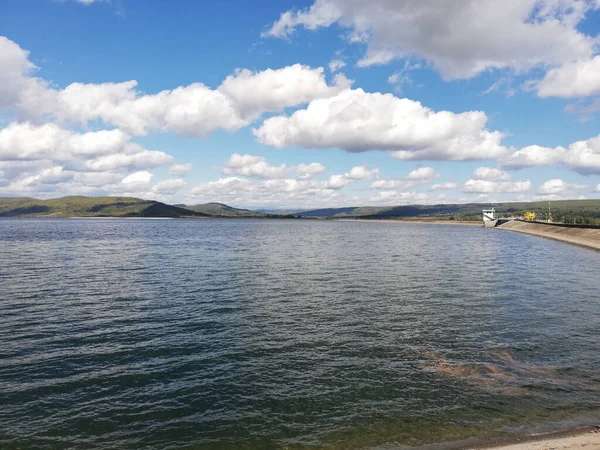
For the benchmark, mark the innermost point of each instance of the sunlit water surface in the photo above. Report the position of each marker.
(274, 334)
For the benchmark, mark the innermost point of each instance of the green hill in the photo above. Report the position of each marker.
(222, 210)
(79, 206)
(584, 211)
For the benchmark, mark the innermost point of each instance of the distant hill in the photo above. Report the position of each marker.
(222, 210)
(586, 210)
(79, 206)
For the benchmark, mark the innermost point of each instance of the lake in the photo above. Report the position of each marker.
(158, 334)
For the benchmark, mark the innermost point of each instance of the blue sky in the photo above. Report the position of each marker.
(429, 103)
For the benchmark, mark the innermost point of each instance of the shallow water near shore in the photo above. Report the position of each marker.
(291, 334)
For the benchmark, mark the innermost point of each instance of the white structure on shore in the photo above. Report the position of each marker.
(489, 218)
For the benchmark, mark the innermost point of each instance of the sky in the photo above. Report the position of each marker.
(301, 104)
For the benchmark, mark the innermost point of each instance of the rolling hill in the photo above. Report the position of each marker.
(582, 209)
(222, 210)
(79, 206)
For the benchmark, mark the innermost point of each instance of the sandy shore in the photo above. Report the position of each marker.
(588, 439)
(586, 237)
(428, 222)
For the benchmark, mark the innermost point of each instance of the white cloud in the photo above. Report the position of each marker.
(489, 187)
(306, 171)
(491, 174)
(336, 64)
(357, 121)
(573, 79)
(169, 187)
(273, 90)
(46, 159)
(398, 198)
(423, 174)
(532, 155)
(97, 150)
(253, 166)
(392, 184)
(195, 109)
(137, 180)
(557, 189)
(582, 157)
(461, 38)
(417, 176)
(275, 192)
(361, 173)
(597, 188)
(444, 186)
(180, 169)
(304, 191)
(257, 167)
(486, 180)
(15, 72)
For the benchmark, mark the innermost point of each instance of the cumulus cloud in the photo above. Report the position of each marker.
(417, 176)
(398, 198)
(137, 180)
(169, 187)
(357, 121)
(488, 187)
(361, 173)
(180, 169)
(195, 109)
(275, 192)
(461, 38)
(573, 79)
(46, 158)
(96, 150)
(15, 72)
(257, 167)
(491, 174)
(273, 90)
(559, 189)
(582, 157)
(423, 174)
(253, 166)
(444, 186)
(267, 190)
(487, 180)
(306, 171)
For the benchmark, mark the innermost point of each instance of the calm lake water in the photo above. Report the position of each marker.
(290, 334)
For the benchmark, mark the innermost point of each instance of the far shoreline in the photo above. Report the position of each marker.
(472, 223)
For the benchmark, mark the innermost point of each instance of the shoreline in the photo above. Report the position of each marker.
(584, 237)
(588, 437)
(425, 221)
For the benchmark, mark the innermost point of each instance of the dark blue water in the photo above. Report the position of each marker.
(275, 334)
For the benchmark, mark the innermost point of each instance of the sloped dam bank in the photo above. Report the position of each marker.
(579, 235)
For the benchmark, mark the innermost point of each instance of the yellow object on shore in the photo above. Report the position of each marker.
(530, 216)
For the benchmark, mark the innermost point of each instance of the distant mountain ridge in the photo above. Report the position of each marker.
(223, 210)
(80, 206)
(583, 211)
(569, 208)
